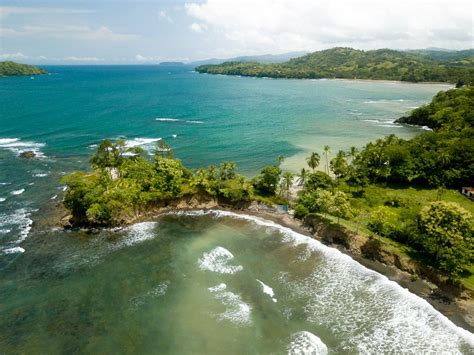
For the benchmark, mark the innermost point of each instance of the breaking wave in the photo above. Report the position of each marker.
(237, 311)
(217, 260)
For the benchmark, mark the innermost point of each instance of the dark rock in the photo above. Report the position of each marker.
(29, 154)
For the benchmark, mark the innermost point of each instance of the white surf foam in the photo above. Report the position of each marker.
(268, 290)
(17, 192)
(19, 222)
(2, 199)
(40, 175)
(13, 250)
(54, 197)
(237, 311)
(390, 125)
(174, 135)
(378, 313)
(217, 261)
(17, 146)
(306, 343)
(138, 142)
(194, 121)
(138, 233)
(426, 128)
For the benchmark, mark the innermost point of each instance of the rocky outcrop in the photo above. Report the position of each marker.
(29, 154)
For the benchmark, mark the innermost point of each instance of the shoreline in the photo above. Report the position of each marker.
(386, 81)
(453, 309)
(454, 305)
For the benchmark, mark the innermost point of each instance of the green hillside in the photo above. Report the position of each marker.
(11, 68)
(450, 110)
(348, 63)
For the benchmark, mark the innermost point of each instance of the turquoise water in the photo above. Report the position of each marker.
(145, 289)
(207, 119)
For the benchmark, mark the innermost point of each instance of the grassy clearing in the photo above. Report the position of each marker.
(410, 200)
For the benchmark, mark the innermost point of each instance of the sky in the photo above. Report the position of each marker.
(151, 31)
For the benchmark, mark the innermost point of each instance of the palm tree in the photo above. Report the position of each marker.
(287, 182)
(443, 157)
(280, 159)
(303, 174)
(327, 149)
(313, 160)
(353, 153)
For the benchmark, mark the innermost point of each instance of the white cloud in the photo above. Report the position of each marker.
(288, 25)
(82, 59)
(142, 58)
(198, 28)
(162, 15)
(69, 32)
(13, 56)
(24, 10)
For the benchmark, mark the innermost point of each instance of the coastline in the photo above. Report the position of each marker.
(440, 83)
(454, 304)
(448, 85)
(457, 310)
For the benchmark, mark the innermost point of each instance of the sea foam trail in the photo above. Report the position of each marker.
(217, 260)
(306, 343)
(237, 311)
(168, 119)
(372, 296)
(157, 291)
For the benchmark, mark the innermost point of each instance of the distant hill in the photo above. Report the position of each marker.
(348, 63)
(171, 63)
(447, 55)
(264, 59)
(11, 69)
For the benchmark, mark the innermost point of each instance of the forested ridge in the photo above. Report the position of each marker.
(348, 63)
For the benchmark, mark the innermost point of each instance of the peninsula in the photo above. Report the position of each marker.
(348, 63)
(394, 201)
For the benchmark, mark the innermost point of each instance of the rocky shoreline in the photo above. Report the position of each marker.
(455, 302)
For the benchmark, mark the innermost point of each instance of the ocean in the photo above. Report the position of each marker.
(202, 283)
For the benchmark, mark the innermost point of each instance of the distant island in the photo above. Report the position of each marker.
(348, 63)
(171, 63)
(9, 68)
